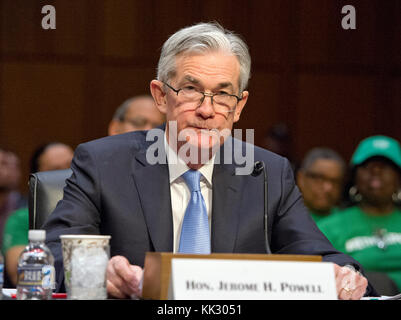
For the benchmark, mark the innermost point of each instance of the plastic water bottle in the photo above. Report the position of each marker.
(1, 275)
(36, 269)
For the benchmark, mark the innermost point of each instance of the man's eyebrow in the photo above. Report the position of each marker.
(196, 81)
(225, 85)
(221, 85)
(191, 79)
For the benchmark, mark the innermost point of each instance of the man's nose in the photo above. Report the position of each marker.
(206, 109)
(328, 186)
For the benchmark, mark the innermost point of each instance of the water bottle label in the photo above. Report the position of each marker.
(48, 279)
(1, 274)
(37, 276)
(29, 276)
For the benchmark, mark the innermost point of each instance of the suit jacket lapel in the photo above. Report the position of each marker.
(152, 182)
(225, 216)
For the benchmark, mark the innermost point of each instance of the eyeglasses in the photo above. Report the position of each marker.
(222, 101)
(140, 122)
(320, 178)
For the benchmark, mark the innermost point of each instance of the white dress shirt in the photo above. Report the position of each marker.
(180, 193)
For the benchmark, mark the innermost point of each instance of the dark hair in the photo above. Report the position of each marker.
(121, 111)
(321, 153)
(279, 131)
(34, 162)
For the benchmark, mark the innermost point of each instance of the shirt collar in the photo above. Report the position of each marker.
(178, 167)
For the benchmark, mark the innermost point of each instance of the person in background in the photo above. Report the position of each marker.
(50, 156)
(278, 139)
(10, 198)
(320, 179)
(370, 229)
(137, 113)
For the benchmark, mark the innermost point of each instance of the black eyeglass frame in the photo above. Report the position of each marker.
(205, 94)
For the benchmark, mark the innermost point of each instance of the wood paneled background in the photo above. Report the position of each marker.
(333, 87)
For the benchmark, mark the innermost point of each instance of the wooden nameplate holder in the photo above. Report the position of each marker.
(157, 268)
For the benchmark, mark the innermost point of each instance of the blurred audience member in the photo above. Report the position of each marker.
(137, 113)
(10, 198)
(51, 156)
(320, 179)
(278, 140)
(370, 230)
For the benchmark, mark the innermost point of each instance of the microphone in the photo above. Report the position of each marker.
(258, 168)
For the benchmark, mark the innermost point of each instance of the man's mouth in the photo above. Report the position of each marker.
(199, 128)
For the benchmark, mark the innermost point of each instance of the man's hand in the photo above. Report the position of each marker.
(123, 279)
(350, 284)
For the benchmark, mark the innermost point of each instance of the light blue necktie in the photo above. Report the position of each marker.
(195, 235)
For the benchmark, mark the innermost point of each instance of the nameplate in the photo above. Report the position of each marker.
(215, 279)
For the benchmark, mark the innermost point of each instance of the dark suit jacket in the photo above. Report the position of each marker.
(114, 190)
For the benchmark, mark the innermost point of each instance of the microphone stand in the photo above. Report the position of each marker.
(259, 166)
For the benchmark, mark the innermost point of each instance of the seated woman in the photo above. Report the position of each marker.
(370, 230)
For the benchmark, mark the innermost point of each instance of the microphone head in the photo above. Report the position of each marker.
(257, 168)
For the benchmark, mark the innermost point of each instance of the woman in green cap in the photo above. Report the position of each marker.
(370, 230)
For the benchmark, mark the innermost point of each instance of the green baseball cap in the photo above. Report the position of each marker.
(377, 146)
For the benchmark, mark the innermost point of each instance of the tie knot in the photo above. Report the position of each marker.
(192, 179)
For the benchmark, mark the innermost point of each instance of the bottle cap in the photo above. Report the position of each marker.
(37, 235)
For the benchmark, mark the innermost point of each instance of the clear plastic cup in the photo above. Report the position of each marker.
(85, 259)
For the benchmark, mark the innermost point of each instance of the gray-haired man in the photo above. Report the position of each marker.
(202, 76)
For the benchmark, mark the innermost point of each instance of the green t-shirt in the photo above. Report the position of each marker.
(319, 217)
(374, 241)
(16, 229)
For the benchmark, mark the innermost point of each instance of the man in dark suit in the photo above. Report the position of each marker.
(198, 201)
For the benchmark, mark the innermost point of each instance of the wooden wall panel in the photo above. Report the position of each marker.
(23, 34)
(17, 20)
(42, 100)
(261, 110)
(313, 30)
(232, 14)
(70, 35)
(393, 114)
(170, 15)
(306, 70)
(127, 28)
(269, 23)
(40, 103)
(334, 111)
(131, 81)
(324, 41)
(396, 43)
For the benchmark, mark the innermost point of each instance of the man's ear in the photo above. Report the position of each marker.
(241, 105)
(114, 127)
(156, 89)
